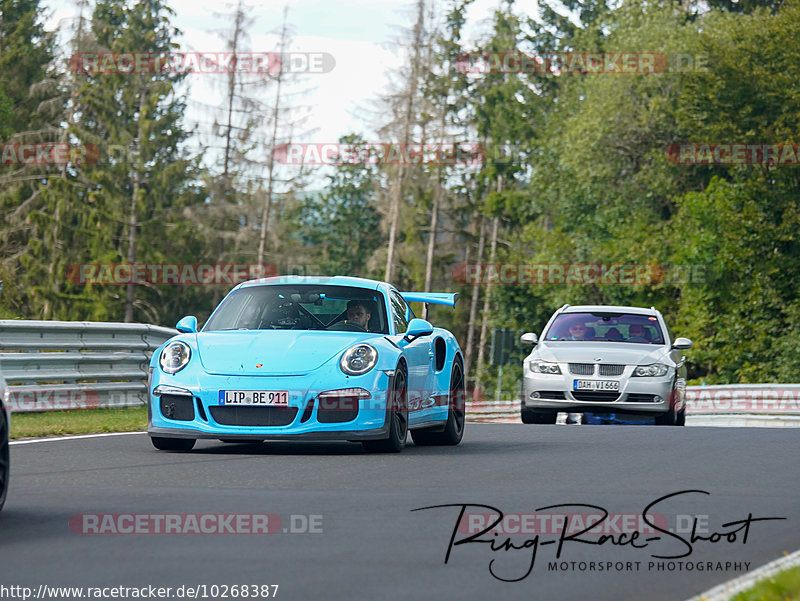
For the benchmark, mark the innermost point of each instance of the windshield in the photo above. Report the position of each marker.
(301, 307)
(606, 327)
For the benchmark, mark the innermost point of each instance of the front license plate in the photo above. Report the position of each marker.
(266, 398)
(612, 385)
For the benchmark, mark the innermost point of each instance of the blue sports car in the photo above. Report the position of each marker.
(310, 358)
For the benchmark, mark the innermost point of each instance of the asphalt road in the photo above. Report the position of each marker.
(371, 545)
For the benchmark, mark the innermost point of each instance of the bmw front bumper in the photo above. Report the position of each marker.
(557, 392)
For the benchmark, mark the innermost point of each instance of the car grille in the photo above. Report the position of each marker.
(253, 416)
(177, 407)
(600, 397)
(581, 369)
(641, 398)
(334, 410)
(611, 369)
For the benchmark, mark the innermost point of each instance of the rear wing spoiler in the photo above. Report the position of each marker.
(433, 298)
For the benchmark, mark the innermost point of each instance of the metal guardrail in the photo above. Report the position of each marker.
(77, 364)
(724, 405)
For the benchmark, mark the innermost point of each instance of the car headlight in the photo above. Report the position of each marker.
(175, 357)
(544, 367)
(358, 359)
(656, 369)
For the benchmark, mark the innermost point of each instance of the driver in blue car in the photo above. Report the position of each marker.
(358, 313)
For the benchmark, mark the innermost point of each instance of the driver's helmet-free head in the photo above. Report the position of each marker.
(577, 328)
(359, 311)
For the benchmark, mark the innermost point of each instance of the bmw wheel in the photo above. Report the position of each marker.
(532, 416)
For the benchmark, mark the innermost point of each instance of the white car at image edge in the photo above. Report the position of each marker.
(5, 422)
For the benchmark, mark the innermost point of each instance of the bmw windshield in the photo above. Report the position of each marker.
(606, 327)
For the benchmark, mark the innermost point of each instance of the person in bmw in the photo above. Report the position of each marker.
(626, 362)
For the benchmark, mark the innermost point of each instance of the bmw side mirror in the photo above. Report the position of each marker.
(417, 327)
(187, 325)
(529, 338)
(682, 344)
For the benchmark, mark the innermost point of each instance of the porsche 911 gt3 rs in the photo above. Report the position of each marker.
(310, 358)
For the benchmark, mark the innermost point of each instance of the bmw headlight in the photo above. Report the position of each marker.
(544, 367)
(358, 360)
(654, 370)
(175, 357)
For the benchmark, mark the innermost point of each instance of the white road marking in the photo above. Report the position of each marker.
(78, 436)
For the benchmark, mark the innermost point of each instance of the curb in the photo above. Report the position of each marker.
(727, 590)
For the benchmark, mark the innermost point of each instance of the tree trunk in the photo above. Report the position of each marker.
(486, 306)
(397, 190)
(486, 298)
(437, 193)
(473, 307)
(271, 161)
(133, 222)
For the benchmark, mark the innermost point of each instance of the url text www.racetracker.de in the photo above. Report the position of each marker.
(198, 591)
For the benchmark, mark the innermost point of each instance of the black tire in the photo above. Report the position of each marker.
(670, 418)
(456, 415)
(172, 444)
(397, 414)
(532, 416)
(681, 421)
(5, 463)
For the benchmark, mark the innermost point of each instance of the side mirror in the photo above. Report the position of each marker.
(417, 327)
(682, 344)
(187, 324)
(529, 338)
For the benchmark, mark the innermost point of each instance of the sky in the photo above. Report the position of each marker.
(358, 34)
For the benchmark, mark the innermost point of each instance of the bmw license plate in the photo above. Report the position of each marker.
(266, 398)
(612, 385)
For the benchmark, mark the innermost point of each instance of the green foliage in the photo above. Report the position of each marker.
(341, 223)
(576, 168)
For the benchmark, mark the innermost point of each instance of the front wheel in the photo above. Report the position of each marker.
(172, 444)
(5, 463)
(532, 416)
(670, 418)
(397, 415)
(456, 415)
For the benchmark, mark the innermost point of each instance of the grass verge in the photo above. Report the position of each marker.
(79, 421)
(783, 586)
